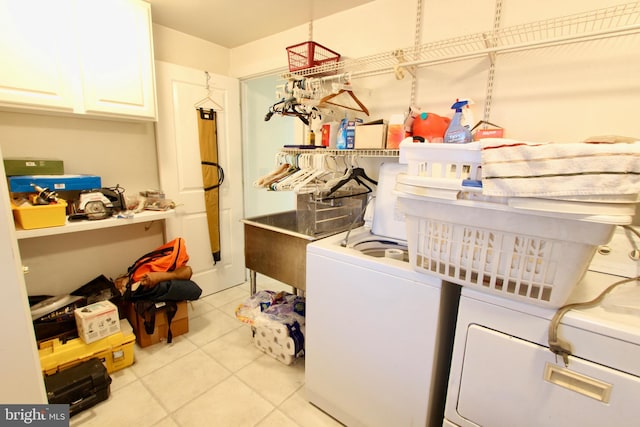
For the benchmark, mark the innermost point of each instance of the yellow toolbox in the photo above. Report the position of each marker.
(115, 351)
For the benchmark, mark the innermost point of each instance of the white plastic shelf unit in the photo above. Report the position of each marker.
(615, 21)
(73, 227)
(360, 152)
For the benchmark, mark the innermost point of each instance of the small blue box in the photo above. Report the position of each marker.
(25, 184)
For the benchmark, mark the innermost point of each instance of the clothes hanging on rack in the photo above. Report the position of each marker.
(212, 176)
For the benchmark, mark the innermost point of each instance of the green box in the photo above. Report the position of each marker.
(20, 167)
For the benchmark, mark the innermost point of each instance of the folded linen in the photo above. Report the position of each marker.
(512, 168)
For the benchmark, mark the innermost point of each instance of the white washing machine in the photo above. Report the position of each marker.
(503, 373)
(378, 334)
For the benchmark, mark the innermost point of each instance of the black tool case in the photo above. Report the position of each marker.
(81, 386)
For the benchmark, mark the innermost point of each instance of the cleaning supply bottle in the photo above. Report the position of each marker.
(457, 133)
(311, 138)
(430, 126)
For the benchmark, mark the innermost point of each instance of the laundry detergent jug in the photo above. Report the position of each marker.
(430, 126)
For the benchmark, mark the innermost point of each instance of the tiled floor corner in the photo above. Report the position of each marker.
(212, 376)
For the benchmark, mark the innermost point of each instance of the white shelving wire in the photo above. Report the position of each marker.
(614, 21)
(359, 152)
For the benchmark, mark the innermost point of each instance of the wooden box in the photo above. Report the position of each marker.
(179, 324)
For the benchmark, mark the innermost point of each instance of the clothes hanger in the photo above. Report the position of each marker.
(204, 114)
(288, 183)
(290, 107)
(311, 182)
(338, 175)
(356, 174)
(345, 89)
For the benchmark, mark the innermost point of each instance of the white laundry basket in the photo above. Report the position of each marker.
(492, 247)
(528, 249)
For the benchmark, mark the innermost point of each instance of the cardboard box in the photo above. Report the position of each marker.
(97, 320)
(371, 135)
(488, 133)
(13, 167)
(115, 351)
(29, 217)
(24, 184)
(179, 324)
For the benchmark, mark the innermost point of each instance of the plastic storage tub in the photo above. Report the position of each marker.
(449, 162)
(29, 217)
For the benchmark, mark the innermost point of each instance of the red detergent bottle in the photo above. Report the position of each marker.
(430, 126)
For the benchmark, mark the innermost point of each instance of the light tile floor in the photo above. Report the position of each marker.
(212, 376)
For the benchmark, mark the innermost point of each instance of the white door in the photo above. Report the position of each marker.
(179, 89)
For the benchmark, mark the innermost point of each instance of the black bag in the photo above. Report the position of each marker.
(147, 311)
(169, 290)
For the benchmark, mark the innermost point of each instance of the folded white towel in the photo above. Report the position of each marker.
(513, 168)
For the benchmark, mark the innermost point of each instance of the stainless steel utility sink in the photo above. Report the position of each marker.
(276, 245)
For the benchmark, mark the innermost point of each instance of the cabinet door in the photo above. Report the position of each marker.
(116, 56)
(36, 46)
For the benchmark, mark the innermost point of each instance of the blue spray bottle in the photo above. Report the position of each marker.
(457, 133)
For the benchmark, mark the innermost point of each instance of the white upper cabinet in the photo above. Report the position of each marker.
(90, 57)
(37, 65)
(116, 56)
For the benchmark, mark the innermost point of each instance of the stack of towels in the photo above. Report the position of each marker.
(586, 170)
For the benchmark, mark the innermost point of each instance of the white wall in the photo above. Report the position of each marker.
(261, 141)
(20, 368)
(182, 49)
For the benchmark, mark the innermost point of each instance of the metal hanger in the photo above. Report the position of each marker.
(204, 114)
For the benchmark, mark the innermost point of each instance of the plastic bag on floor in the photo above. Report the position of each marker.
(277, 321)
(278, 306)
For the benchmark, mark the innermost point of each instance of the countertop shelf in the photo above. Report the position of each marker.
(86, 225)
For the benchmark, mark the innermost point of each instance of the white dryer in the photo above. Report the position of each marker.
(378, 334)
(503, 373)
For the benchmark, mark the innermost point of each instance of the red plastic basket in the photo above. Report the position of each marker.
(308, 55)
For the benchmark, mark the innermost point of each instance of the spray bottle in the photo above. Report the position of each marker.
(457, 133)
